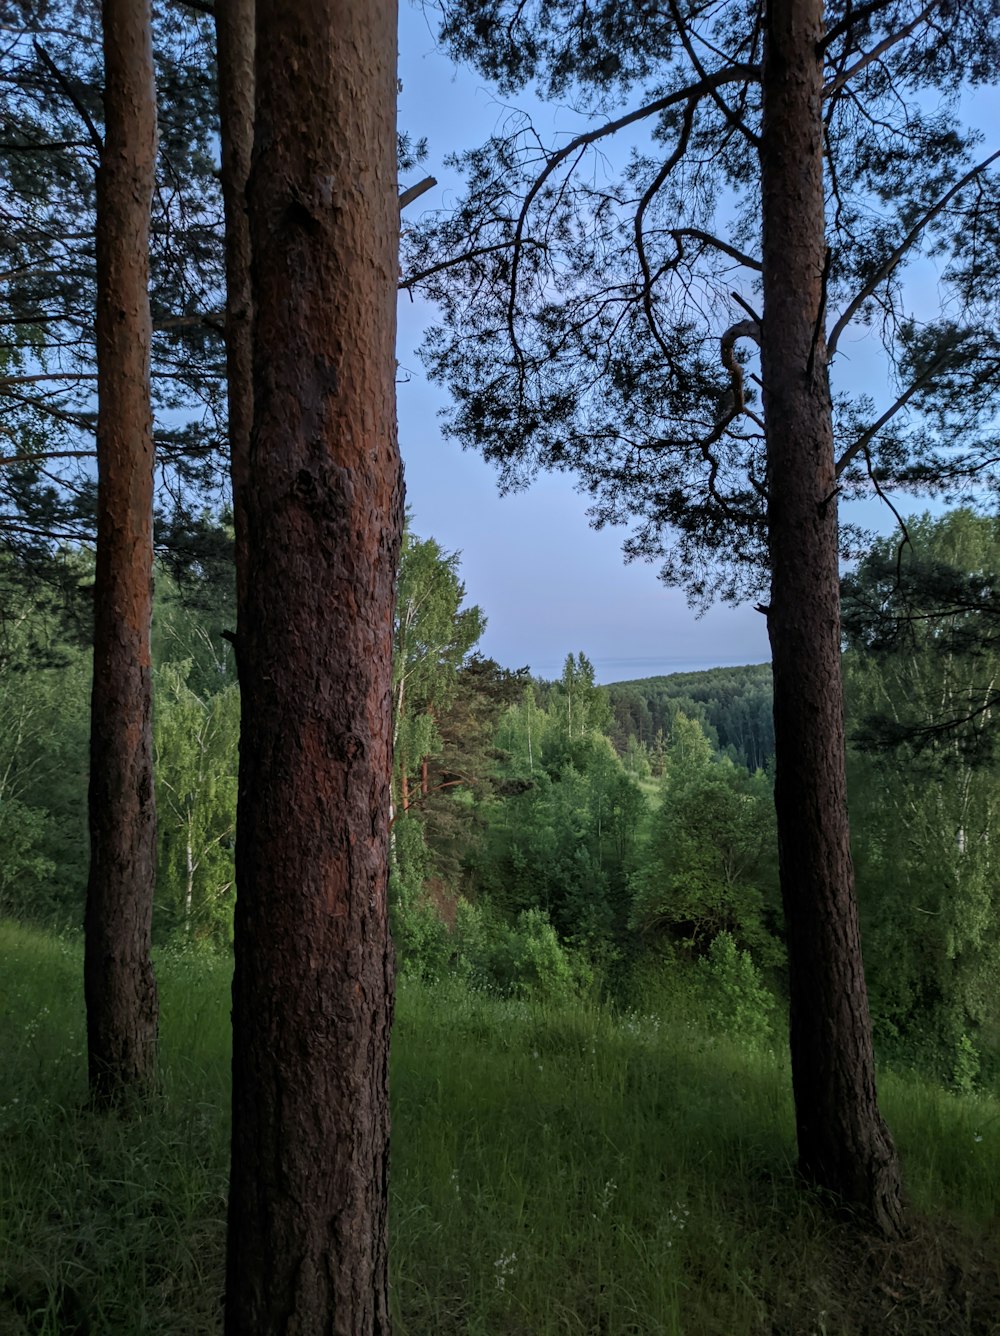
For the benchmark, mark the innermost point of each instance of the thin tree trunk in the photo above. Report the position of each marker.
(844, 1146)
(312, 993)
(189, 882)
(234, 29)
(118, 976)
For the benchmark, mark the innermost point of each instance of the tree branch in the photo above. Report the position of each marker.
(644, 203)
(95, 137)
(7, 460)
(850, 18)
(732, 120)
(6, 381)
(867, 436)
(735, 73)
(913, 235)
(414, 192)
(879, 49)
(698, 235)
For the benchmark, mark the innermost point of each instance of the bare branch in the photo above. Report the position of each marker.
(741, 301)
(744, 329)
(734, 121)
(696, 234)
(644, 203)
(452, 263)
(414, 192)
(6, 381)
(8, 460)
(850, 18)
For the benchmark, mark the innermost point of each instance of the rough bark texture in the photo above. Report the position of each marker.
(312, 994)
(844, 1145)
(118, 977)
(234, 29)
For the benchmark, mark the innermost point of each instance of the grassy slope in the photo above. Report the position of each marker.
(553, 1171)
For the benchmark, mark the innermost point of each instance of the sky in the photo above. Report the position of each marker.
(548, 583)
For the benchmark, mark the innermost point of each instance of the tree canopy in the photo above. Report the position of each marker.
(599, 296)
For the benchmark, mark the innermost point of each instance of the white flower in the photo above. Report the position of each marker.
(504, 1267)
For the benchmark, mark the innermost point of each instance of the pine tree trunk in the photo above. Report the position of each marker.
(118, 976)
(234, 28)
(844, 1146)
(312, 993)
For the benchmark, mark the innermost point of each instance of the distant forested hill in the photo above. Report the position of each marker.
(733, 705)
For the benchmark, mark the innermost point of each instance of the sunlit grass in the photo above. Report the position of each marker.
(555, 1170)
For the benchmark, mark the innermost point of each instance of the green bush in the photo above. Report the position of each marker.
(736, 1002)
(965, 1073)
(534, 961)
(26, 874)
(521, 959)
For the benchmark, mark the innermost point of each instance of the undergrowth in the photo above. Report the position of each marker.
(555, 1170)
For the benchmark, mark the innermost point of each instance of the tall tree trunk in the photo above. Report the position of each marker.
(844, 1145)
(312, 993)
(234, 32)
(118, 976)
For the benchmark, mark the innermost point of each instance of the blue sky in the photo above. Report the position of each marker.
(548, 583)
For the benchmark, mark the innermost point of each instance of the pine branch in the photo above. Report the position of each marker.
(735, 73)
(95, 137)
(696, 234)
(867, 436)
(31, 458)
(914, 235)
(878, 50)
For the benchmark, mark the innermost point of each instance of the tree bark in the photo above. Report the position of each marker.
(234, 32)
(312, 993)
(118, 977)
(844, 1146)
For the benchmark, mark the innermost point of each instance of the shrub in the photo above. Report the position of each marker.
(736, 1001)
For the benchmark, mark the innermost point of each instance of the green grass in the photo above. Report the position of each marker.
(554, 1171)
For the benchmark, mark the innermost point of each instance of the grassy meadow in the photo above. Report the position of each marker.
(555, 1170)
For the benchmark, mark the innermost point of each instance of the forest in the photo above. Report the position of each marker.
(692, 981)
(562, 840)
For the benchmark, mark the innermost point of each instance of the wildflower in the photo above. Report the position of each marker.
(504, 1267)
